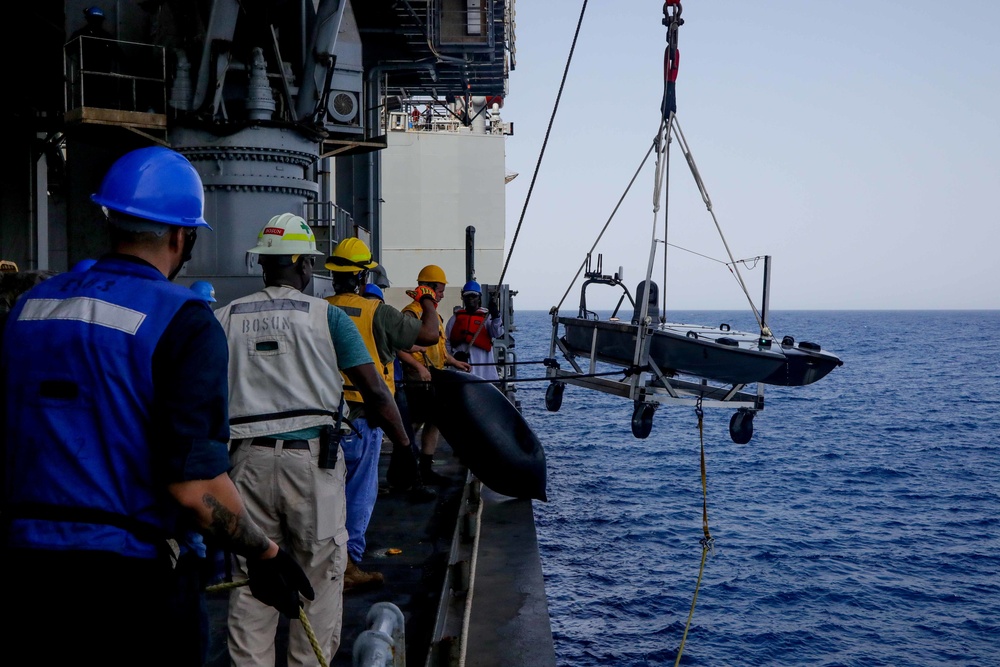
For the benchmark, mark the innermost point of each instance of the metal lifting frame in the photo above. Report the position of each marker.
(658, 388)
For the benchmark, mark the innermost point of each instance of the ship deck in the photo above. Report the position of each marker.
(508, 622)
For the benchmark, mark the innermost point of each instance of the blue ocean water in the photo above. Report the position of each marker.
(858, 527)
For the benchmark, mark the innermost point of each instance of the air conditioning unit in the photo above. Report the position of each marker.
(343, 106)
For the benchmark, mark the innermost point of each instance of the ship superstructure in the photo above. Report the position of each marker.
(281, 106)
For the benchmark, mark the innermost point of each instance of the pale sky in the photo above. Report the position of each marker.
(857, 143)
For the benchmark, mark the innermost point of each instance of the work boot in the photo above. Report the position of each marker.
(427, 474)
(356, 579)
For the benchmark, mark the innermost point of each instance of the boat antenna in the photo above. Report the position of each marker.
(545, 142)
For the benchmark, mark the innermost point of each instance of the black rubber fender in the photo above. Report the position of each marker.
(488, 434)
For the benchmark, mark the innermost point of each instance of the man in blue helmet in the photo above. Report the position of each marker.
(115, 439)
(93, 17)
(471, 330)
(204, 289)
(95, 55)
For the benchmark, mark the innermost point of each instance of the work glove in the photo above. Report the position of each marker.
(403, 472)
(418, 294)
(278, 582)
(493, 308)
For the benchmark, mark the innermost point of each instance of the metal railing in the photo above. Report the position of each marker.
(111, 74)
(332, 224)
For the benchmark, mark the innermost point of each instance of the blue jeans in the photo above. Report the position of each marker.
(361, 454)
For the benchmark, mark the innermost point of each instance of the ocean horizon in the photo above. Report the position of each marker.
(858, 527)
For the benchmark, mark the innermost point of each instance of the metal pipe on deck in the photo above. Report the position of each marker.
(383, 644)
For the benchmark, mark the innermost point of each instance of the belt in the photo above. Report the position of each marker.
(285, 444)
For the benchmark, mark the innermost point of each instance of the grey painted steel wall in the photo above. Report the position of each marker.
(435, 184)
(249, 177)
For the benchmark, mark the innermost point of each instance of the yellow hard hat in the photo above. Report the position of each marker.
(286, 234)
(351, 256)
(432, 273)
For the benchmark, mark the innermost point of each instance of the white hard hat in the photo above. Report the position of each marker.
(286, 234)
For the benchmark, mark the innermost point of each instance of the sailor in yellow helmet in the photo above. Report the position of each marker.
(287, 351)
(417, 375)
(384, 330)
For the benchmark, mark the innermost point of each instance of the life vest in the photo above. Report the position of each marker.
(283, 373)
(467, 325)
(78, 351)
(362, 313)
(434, 356)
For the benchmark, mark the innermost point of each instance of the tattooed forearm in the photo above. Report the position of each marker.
(243, 535)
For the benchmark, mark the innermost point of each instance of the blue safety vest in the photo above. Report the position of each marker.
(78, 354)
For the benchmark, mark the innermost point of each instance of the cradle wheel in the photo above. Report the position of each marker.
(554, 396)
(741, 426)
(642, 419)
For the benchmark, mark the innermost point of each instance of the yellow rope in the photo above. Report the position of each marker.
(312, 637)
(228, 585)
(225, 586)
(706, 542)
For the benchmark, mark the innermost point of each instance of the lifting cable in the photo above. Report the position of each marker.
(707, 542)
(306, 625)
(543, 378)
(685, 149)
(605, 227)
(545, 142)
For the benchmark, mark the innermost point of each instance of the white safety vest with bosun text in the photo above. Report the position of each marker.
(283, 373)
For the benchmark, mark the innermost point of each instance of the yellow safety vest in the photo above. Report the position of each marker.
(436, 355)
(362, 313)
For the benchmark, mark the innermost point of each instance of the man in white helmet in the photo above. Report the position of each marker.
(287, 351)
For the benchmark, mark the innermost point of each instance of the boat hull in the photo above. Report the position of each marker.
(803, 366)
(689, 349)
(715, 353)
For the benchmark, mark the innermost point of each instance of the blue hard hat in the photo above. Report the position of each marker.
(204, 289)
(472, 287)
(155, 184)
(372, 289)
(94, 11)
(83, 265)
